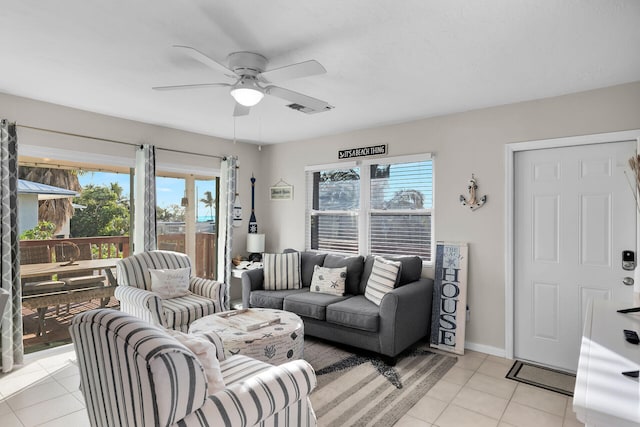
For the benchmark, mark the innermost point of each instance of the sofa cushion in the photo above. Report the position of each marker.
(271, 299)
(328, 280)
(180, 312)
(308, 261)
(383, 278)
(354, 264)
(356, 312)
(282, 271)
(310, 304)
(410, 272)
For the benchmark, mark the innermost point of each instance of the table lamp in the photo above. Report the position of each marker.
(255, 246)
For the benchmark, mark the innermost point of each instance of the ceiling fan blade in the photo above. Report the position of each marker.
(192, 86)
(241, 110)
(293, 71)
(297, 98)
(212, 63)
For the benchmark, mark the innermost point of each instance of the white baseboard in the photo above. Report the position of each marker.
(494, 351)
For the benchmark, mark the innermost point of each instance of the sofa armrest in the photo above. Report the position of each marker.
(409, 304)
(141, 303)
(252, 280)
(209, 289)
(257, 398)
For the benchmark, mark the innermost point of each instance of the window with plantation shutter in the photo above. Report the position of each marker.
(401, 199)
(333, 205)
(378, 207)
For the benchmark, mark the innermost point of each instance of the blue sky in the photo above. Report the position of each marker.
(169, 191)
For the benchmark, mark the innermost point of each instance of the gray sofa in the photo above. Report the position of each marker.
(402, 318)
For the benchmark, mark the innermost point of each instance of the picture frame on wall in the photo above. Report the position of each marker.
(281, 192)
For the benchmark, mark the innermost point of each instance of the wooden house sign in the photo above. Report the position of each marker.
(449, 309)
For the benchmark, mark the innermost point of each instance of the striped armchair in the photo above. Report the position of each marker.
(135, 374)
(136, 298)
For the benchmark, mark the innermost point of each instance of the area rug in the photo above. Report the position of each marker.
(359, 389)
(543, 377)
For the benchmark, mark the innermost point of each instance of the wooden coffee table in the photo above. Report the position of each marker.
(275, 344)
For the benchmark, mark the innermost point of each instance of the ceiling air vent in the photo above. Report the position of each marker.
(309, 110)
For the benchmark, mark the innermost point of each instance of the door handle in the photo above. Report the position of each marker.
(628, 281)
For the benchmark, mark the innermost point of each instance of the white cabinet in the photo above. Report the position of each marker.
(603, 397)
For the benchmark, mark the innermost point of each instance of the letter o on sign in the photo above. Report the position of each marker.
(450, 290)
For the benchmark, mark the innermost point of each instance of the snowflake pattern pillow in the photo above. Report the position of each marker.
(329, 280)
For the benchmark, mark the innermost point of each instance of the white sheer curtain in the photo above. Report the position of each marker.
(228, 177)
(11, 348)
(145, 238)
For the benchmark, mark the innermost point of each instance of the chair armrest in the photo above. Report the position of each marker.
(141, 303)
(257, 398)
(252, 280)
(209, 289)
(409, 304)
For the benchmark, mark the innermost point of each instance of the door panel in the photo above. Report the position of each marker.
(574, 215)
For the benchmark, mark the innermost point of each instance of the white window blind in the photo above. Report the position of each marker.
(333, 205)
(401, 199)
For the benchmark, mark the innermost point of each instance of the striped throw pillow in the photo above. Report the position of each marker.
(282, 271)
(382, 279)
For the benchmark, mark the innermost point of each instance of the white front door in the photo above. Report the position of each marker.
(574, 215)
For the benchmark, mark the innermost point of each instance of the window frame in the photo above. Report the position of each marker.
(365, 211)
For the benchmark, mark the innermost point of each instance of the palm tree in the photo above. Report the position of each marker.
(209, 202)
(56, 211)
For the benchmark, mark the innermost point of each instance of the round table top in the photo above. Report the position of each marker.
(288, 322)
(276, 343)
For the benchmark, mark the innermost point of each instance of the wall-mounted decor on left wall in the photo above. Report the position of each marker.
(281, 191)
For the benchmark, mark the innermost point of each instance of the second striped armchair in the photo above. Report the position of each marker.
(136, 298)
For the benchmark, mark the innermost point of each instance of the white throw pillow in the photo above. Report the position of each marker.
(170, 283)
(205, 352)
(282, 271)
(329, 280)
(382, 280)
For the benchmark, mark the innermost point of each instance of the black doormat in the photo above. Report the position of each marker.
(543, 377)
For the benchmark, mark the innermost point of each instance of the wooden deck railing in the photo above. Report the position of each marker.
(118, 247)
(102, 247)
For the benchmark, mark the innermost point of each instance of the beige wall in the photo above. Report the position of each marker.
(38, 114)
(465, 143)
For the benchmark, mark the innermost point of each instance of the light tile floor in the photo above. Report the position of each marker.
(474, 392)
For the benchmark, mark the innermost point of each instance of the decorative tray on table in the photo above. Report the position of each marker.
(248, 320)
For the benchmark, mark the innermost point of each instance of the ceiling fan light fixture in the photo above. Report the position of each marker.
(247, 92)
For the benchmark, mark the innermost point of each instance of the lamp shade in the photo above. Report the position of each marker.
(255, 243)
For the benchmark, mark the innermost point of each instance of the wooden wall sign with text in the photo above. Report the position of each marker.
(374, 150)
(449, 310)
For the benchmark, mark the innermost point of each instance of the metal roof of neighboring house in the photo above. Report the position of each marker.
(44, 191)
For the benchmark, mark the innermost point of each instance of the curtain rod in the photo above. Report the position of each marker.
(77, 135)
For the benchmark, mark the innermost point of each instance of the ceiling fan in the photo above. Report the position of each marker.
(252, 80)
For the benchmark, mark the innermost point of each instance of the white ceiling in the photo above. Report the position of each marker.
(387, 61)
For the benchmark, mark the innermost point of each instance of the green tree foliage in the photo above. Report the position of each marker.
(106, 212)
(43, 231)
(172, 213)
